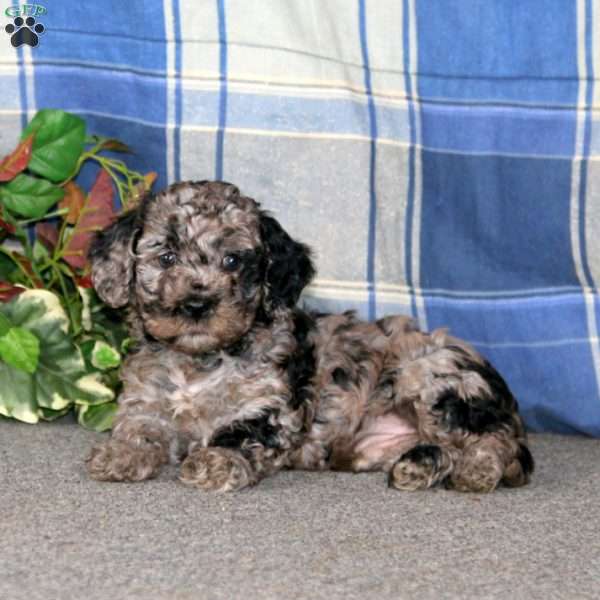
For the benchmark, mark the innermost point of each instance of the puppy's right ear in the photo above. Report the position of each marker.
(111, 257)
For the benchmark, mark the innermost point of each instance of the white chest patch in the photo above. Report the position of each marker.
(201, 400)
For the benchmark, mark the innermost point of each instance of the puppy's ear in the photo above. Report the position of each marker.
(111, 257)
(288, 265)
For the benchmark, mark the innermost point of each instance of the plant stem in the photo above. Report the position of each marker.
(65, 293)
(56, 213)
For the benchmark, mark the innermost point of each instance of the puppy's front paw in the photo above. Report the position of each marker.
(216, 469)
(417, 469)
(115, 460)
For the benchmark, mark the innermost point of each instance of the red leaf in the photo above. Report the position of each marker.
(74, 199)
(16, 162)
(115, 145)
(47, 234)
(84, 282)
(96, 214)
(8, 291)
(7, 226)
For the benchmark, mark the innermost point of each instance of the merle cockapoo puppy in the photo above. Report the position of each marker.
(234, 382)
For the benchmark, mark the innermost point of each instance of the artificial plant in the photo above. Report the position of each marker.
(60, 347)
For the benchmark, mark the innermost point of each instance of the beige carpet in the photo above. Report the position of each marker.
(296, 535)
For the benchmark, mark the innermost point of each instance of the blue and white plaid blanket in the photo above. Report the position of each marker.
(441, 157)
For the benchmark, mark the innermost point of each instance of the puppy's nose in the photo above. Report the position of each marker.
(197, 307)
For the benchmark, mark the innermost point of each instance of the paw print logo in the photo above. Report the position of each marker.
(24, 31)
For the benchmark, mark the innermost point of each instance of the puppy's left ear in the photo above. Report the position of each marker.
(289, 267)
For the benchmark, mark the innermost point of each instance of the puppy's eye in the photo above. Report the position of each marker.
(168, 259)
(231, 262)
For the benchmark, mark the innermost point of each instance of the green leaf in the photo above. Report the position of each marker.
(5, 324)
(87, 296)
(57, 145)
(99, 417)
(8, 268)
(40, 252)
(50, 415)
(17, 398)
(21, 349)
(46, 307)
(94, 390)
(60, 365)
(29, 197)
(23, 314)
(108, 325)
(105, 357)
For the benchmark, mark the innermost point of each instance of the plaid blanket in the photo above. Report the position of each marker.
(441, 157)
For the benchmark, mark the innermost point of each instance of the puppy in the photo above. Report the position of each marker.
(229, 379)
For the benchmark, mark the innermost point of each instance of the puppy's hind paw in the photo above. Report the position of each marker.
(216, 469)
(479, 472)
(115, 460)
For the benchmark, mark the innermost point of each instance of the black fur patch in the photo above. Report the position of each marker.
(489, 374)
(340, 377)
(173, 242)
(150, 339)
(319, 315)
(301, 365)
(526, 459)
(424, 454)
(289, 268)
(239, 347)
(252, 271)
(478, 415)
(500, 390)
(381, 326)
(385, 385)
(248, 432)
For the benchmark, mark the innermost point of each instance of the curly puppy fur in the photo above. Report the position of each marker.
(232, 381)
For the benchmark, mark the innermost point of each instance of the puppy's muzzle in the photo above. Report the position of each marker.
(198, 307)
